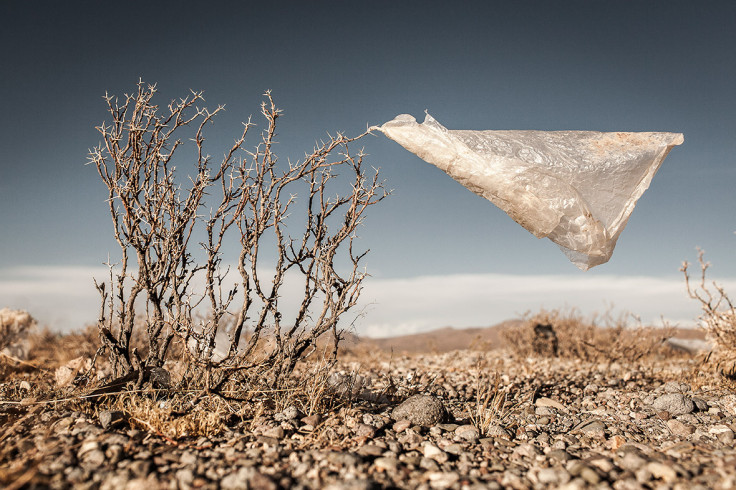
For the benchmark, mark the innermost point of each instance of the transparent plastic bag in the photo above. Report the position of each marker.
(577, 188)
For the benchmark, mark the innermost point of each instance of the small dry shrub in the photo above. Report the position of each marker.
(568, 334)
(718, 317)
(43, 352)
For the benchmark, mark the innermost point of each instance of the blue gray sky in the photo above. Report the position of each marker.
(447, 256)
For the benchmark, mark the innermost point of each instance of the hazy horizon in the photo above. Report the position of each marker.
(64, 298)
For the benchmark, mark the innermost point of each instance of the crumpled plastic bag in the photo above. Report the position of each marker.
(577, 188)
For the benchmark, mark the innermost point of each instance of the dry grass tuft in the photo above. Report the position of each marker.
(490, 407)
(185, 410)
(310, 389)
(178, 416)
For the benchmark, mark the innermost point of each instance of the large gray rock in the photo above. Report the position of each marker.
(424, 410)
(674, 403)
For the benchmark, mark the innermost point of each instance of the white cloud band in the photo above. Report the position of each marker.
(64, 298)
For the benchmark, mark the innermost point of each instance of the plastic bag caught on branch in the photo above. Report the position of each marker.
(577, 188)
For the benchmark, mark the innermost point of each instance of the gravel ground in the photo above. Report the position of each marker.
(413, 422)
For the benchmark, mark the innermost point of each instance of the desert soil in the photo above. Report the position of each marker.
(557, 423)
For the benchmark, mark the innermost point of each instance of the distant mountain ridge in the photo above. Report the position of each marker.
(443, 339)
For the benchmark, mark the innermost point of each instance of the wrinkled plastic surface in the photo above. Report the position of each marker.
(577, 188)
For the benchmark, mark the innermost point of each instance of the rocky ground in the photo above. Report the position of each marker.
(464, 419)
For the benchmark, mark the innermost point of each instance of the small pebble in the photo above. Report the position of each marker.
(467, 433)
(680, 428)
(433, 452)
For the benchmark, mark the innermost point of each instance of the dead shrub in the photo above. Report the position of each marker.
(293, 223)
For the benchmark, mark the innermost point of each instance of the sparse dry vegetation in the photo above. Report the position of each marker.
(324, 423)
(568, 334)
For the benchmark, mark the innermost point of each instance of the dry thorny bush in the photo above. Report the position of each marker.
(568, 334)
(293, 222)
(718, 317)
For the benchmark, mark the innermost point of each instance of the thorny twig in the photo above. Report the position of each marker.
(718, 312)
